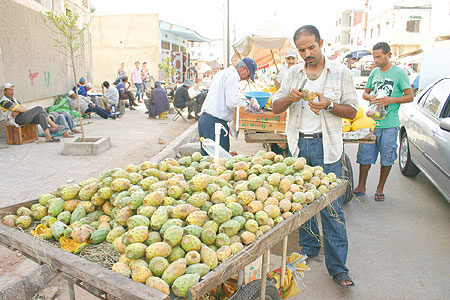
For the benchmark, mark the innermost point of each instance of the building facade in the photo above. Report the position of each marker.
(27, 55)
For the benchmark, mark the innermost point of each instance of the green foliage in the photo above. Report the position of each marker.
(68, 25)
(167, 67)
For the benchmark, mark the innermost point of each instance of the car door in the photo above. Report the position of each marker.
(437, 140)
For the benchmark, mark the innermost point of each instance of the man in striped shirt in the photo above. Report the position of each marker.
(22, 115)
(314, 131)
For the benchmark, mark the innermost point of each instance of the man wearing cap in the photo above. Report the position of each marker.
(81, 87)
(158, 103)
(222, 98)
(182, 99)
(13, 109)
(291, 60)
(86, 106)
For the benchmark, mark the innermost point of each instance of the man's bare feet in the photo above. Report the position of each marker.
(76, 131)
(67, 134)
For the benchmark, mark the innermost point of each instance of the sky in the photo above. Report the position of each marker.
(207, 16)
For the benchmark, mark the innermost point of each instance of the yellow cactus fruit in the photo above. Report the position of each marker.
(71, 246)
(363, 122)
(266, 89)
(359, 114)
(346, 125)
(274, 89)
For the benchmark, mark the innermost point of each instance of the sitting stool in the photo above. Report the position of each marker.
(179, 113)
(23, 134)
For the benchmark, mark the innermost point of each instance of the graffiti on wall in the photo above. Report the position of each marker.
(32, 76)
(47, 78)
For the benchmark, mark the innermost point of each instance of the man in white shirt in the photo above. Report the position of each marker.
(110, 98)
(222, 98)
(291, 60)
(314, 131)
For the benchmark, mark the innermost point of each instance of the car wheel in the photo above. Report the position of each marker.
(407, 167)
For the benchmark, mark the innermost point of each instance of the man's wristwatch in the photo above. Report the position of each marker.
(330, 107)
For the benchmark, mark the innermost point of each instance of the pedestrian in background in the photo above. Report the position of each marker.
(388, 86)
(121, 71)
(137, 80)
(314, 131)
(145, 76)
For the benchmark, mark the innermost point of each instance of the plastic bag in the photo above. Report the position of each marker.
(377, 112)
(295, 267)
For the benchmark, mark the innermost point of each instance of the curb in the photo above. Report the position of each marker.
(25, 281)
(173, 148)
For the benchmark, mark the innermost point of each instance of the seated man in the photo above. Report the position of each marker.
(183, 100)
(16, 113)
(124, 92)
(86, 106)
(81, 87)
(65, 119)
(158, 102)
(110, 99)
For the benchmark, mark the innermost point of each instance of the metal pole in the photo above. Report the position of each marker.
(283, 262)
(240, 279)
(228, 33)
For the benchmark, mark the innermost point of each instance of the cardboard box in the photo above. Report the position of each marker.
(267, 121)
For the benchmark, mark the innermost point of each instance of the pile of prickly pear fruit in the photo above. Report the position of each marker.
(175, 221)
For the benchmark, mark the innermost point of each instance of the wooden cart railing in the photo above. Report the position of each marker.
(105, 283)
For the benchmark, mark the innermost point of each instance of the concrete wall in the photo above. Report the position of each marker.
(27, 55)
(124, 38)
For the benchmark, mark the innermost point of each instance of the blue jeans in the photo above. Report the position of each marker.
(385, 144)
(206, 125)
(138, 90)
(99, 111)
(65, 119)
(332, 216)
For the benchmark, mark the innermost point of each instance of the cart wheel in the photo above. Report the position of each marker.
(347, 173)
(252, 291)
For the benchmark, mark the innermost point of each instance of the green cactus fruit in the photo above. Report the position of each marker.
(147, 211)
(137, 220)
(155, 198)
(115, 233)
(159, 284)
(135, 178)
(210, 224)
(182, 284)
(159, 217)
(177, 253)
(175, 270)
(158, 265)
(99, 235)
(208, 236)
(121, 268)
(192, 257)
(236, 247)
(161, 249)
(136, 199)
(200, 269)
(182, 211)
(173, 235)
(43, 199)
(196, 218)
(64, 217)
(120, 184)
(56, 207)
(122, 216)
(169, 223)
(39, 211)
(58, 229)
(208, 257)
(153, 237)
(136, 250)
(190, 243)
(230, 227)
(223, 253)
(193, 230)
(138, 234)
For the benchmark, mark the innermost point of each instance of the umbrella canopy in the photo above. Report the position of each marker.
(267, 43)
(358, 54)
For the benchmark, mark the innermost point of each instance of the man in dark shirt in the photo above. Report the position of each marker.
(182, 99)
(81, 87)
(125, 93)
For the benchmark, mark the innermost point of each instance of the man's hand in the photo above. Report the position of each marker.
(323, 103)
(295, 95)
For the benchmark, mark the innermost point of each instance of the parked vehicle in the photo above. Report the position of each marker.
(425, 135)
(360, 81)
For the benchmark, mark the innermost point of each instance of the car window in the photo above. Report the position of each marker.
(434, 100)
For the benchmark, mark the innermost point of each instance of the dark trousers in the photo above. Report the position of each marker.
(35, 115)
(128, 95)
(206, 125)
(99, 111)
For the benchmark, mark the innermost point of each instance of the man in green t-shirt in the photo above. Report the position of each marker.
(388, 86)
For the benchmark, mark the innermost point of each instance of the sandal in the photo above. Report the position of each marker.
(341, 277)
(379, 197)
(53, 140)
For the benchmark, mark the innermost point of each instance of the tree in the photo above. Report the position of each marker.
(69, 29)
(167, 67)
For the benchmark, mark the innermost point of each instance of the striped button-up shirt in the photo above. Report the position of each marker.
(8, 106)
(339, 88)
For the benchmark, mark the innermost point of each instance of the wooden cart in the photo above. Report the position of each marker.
(106, 284)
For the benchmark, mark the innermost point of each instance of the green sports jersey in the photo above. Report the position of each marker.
(393, 82)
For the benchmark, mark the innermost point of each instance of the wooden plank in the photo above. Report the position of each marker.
(81, 269)
(13, 208)
(265, 121)
(266, 137)
(260, 246)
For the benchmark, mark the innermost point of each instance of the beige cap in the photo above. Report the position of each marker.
(8, 85)
(291, 53)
